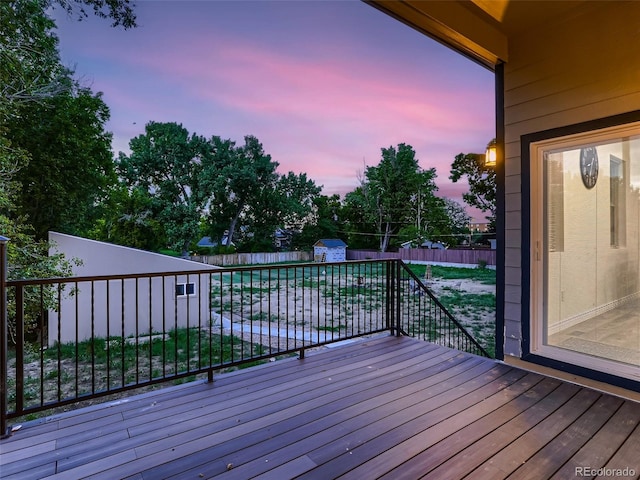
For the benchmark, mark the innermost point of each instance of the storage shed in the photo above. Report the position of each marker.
(159, 292)
(330, 250)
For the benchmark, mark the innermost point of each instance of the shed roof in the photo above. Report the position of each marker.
(330, 243)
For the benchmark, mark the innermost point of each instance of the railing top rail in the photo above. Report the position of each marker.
(206, 271)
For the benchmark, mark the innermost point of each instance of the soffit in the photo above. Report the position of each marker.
(480, 29)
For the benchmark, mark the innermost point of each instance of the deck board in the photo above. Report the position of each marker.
(602, 445)
(297, 427)
(385, 407)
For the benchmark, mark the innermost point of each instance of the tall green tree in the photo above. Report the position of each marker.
(244, 178)
(287, 204)
(459, 220)
(297, 194)
(70, 168)
(30, 67)
(481, 181)
(127, 218)
(45, 113)
(168, 163)
(360, 217)
(324, 221)
(28, 257)
(430, 222)
(390, 188)
(34, 89)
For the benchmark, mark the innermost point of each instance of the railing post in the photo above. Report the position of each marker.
(391, 294)
(398, 314)
(4, 428)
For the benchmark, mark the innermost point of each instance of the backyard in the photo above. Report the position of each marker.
(470, 295)
(312, 303)
(255, 313)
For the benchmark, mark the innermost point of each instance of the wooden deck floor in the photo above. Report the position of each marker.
(381, 408)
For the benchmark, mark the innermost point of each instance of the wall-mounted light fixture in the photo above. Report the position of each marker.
(491, 155)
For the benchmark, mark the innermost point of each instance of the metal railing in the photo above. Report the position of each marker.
(421, 315)
(74, 339)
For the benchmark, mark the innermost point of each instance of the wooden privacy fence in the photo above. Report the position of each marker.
(465, 256)
(253, 258)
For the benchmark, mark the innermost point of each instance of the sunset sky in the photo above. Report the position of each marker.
(324, 85)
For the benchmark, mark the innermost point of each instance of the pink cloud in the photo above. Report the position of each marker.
(324, 112)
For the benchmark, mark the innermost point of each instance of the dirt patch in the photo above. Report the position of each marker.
(466, 285)
(473, 305)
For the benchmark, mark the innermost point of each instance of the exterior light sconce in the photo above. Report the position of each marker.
(491, 155)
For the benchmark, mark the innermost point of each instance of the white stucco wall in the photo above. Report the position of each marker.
(129, 307)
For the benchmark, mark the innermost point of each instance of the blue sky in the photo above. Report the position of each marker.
(324, 85)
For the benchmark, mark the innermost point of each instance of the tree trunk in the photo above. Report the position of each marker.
(384, 241)
(234, 222)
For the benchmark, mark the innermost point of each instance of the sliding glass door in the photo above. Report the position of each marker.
(585, 256)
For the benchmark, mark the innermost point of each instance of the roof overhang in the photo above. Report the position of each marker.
(479, 29)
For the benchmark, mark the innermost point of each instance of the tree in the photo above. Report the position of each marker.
(71, 166)
(391, 188)
(324, 221)
(359, 214)
(31, 74)
(30, 67)
(127, 218)
(245, 190)
(244, 178)
(167, 163)
(119, 11)
(35, 91)
(481, 180)
(27, 257)
(297, 194)
(287, 205)
(458, 216)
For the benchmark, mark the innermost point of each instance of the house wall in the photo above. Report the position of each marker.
(125, 306)
(574, 69)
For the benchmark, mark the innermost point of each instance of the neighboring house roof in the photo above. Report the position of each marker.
(282, 233)
(425, 244)
(330, 243)
(208, 242)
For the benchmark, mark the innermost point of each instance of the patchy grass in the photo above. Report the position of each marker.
(482, 275)
(334, 329)
(69, 370)
(455, 299)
